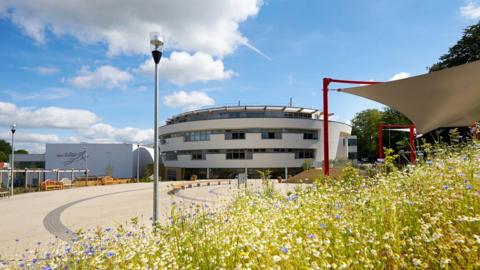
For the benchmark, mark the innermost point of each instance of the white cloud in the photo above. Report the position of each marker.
(46, 117)
(49, 94)
(106, 133)
(27, 137)
(104, 76)
(471, 10)
(182, 68)
(399, 76)
(42, 70)
(188, 100)
(210, 26)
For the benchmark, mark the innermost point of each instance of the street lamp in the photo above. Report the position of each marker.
(138, 162)
(86, 162)
(12, 166)
(156, 44)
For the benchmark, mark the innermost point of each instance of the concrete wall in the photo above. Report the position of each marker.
(100, 157)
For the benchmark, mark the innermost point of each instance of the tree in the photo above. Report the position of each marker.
(365, 127)
(465, 51)
(21, 151)
(6, 149)
(394, 139)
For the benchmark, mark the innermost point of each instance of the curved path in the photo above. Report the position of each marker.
(54, 225)
(48, 217)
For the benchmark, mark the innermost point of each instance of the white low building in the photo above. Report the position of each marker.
(118, 160)
(222, 142)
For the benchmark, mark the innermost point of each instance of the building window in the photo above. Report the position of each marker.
(271, 135)
(310, 135)
(235, 154)
(234, 135)
(163, 141)
(305, 154)
(198, 155)
(352, 142)
(171, 155)
(197, 136)
(171, 174)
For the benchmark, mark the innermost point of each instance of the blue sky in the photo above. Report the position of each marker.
(81, 71)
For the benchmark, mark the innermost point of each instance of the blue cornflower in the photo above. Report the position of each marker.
(110, 254)
(108, 229)
(47, 255)
(21, 264)
(323, 225)
(47, 268)
(284, 249)
(34, 261)
(338, 216)
(292, 198)
(311, 236)
(445, 187)
(468, 187)
(465, 181)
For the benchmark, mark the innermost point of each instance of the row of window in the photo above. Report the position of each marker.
(238, 153)
(249, 114)
(266, 134)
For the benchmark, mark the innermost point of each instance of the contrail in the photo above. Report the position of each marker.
(250, 46)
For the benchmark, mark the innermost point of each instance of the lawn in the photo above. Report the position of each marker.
(423, 216)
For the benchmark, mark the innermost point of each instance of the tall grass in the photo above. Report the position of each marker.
(421, 217)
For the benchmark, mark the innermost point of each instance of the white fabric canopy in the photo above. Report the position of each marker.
(446, 98)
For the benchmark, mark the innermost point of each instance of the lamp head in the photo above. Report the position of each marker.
(14, 126)
(156, 44)
(156, 41)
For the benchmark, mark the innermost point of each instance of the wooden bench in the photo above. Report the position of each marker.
(178, 186)
(4, 193)
(50, 185)
(108, 180)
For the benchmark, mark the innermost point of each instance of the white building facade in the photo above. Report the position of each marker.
(222, 142)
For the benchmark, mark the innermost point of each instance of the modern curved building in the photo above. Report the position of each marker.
(224, 141)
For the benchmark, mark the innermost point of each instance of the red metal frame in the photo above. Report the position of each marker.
(326, 83)
(412, 139)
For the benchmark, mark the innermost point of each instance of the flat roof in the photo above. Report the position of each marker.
(256, 108)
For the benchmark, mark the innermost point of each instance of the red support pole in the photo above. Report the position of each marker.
(412, 145)
(326, 161)
(380, 141)
(326, 82)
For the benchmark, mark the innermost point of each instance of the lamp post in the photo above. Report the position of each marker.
(85, 149)
(156, 44)
(138, 162)
(12, 165)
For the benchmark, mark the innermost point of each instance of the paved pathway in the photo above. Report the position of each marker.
(52, 216)
(49, 217)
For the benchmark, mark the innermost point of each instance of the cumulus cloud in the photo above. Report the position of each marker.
(46, 117)
(182, 68)
(106, 133)
(104, 76)
(399, 76)
(210, 26)
(471, 10)
(188, 100)
(27, 137)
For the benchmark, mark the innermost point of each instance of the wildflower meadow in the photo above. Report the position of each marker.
(423, 216)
